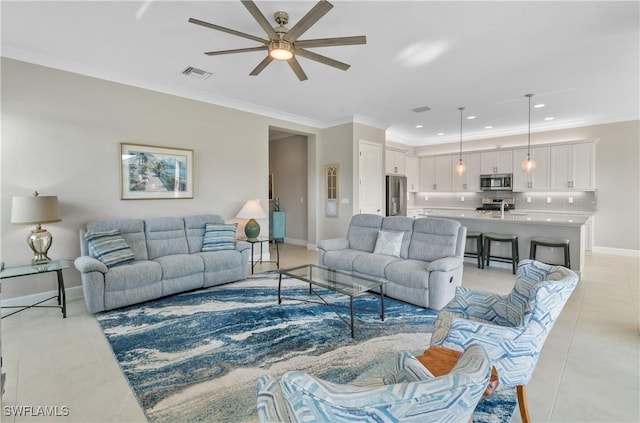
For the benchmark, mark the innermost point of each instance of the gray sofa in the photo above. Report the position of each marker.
(167, 260)
(427, 268)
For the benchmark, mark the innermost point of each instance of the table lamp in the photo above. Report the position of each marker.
(252, 210)
(36, 210)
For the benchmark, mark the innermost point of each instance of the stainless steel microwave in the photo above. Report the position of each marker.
(496, 182)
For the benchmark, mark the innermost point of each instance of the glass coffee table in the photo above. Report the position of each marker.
(337, 281)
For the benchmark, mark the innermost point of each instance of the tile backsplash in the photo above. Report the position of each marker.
(577, 201)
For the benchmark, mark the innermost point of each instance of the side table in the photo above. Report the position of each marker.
(54, 266)
(261, 240)
(439, 361)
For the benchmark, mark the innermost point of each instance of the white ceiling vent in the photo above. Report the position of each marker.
(197, 73)
(421, 109)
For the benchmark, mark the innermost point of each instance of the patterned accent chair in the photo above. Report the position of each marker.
(511, 327)
(411, 394)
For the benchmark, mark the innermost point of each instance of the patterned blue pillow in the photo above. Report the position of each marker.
(219, 237)
(109, 247)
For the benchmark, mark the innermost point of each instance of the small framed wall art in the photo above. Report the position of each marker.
(150, 172)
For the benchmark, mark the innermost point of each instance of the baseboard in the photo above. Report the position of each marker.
(616, 251)
(300, 242)
(311, 246)
(71, 293)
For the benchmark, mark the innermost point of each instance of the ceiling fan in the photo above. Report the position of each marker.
(282, 43)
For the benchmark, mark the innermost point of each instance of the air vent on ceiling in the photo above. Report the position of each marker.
(195, 72)
(421, 109)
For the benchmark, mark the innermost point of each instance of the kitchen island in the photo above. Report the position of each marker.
(525, 225)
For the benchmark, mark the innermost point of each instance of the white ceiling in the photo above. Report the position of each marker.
(581, 59)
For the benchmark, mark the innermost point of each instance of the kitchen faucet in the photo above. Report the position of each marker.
(503, 205)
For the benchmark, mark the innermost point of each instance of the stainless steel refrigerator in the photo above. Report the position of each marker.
(396, 195)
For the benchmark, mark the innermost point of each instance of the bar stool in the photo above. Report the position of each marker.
(513, 239)
(550, 242)
(478, 254)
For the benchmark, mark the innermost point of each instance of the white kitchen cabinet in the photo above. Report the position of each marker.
(498, 161)
(394, 162)
(470, 181)
(436, 173)
(537, 180)
(573, 166)
(412, 167)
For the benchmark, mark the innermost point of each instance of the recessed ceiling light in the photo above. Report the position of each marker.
(471, 117)
(537, 106)
(418, 126)
(549, 118)
(440, 133)
(488, 127)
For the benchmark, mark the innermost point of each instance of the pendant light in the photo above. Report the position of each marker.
(528, 164)
(461, 168)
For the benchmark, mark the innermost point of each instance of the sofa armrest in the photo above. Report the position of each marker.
(333, 244)
(86, 264)
(242, 245)
(446, 264)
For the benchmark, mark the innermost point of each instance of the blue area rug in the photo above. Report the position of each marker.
(196, 356)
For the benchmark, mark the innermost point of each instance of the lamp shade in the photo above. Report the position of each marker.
(251, 210)
(35, 210)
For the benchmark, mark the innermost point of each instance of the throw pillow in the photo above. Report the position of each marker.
(389, 243)
(109, 247)
(219, 237)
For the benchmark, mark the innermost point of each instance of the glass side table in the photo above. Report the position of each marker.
(54, 266)
(261, 240)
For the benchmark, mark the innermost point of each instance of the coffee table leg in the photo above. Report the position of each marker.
(279, 285)
(382, 303)
(351, 308)
(62, 296)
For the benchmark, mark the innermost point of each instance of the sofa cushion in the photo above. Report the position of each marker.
(219, 237)
(194, 227)
(165, 236)
(433, 238)
(132, 231)
(178, 265)
(137, 274)
(400, 224)
(363, 231)
(372, 264)
(341, 259)
(109, 247)
(220, 260)
(411, 273)
(389, 243)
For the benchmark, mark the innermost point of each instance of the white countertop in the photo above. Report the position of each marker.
(516, 216)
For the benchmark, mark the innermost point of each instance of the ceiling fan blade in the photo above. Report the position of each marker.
(322, 59)
(261, 65)
(331, 42)
(260, 18)
(297, 69)
(237, 50)
(227, 30)
(318, 11)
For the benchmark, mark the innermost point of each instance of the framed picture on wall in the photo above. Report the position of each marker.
(150, 172)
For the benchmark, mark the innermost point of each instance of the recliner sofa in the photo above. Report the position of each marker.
(424, 269)
(167, 258)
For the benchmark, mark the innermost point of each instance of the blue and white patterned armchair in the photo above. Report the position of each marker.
(411, 394)
(511, 327)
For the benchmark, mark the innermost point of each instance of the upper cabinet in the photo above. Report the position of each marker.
(436, 173)
(394, 162)
(573, 166)
(498, 161)
(470, 181)
(412, 167)
(537, 180)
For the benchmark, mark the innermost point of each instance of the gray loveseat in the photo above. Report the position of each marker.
(426, 268)
(167, 259)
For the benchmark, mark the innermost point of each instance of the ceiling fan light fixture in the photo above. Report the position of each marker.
(280, 50)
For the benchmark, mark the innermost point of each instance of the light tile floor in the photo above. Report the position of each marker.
(588, 371)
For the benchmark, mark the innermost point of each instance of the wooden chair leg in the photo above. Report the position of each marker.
(522, 403)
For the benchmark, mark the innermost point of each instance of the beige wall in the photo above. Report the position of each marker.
(61, 133)
(617, 222)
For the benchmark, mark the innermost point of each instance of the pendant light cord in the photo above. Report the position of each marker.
(461, 109)
(529, 132)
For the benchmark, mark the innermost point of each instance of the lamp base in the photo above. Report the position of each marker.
(39, 240)
(252, 229)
